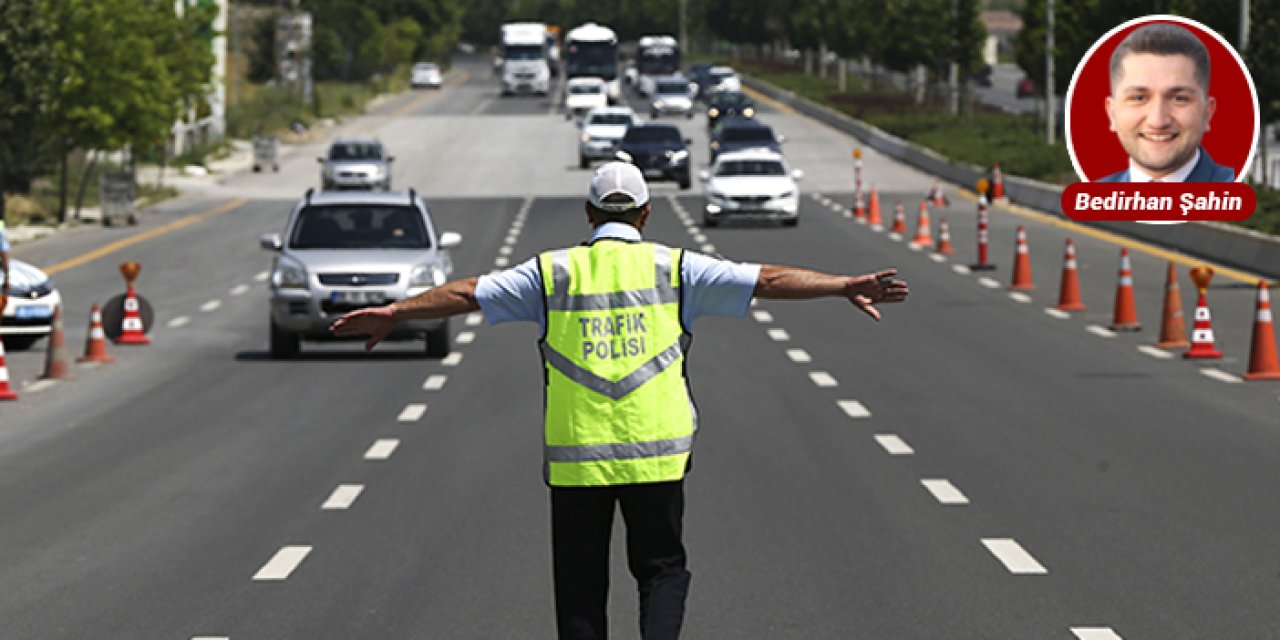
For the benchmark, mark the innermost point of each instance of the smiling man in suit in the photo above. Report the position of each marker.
(1160, 106)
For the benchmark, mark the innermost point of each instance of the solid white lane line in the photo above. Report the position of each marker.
(1057, 313)
(412, 412)
(944, 491)
(342, 497)
(180, 321)
(894, 445)
(282, 564)
(762, 316)
(1220, 375)
(211, 305)
(435, 382)
(475, 319)
(779, 335)
(1013, 556)
(452, 359)
(854, 409)
(261, 276)
(823, 379)
(961, 269)
(466, 337)
(239, 289)
(799, 356)
(1018, 296)
(1100, 331)
(990, 283)
(937, 257)
(1155, 352)
(382, 449)
(1095, 633)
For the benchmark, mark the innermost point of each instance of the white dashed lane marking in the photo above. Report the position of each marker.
(261, 276)
(210, 637)
(180, 321)
(823, 379)
(382, 449)
(281, 565)
(452, 359)
(894, 445)
(412, 412)
(799, 356)
(990, 283)
(1013, 556)
(501, 261)
(1100, 331)
(937, 257)
(854, 409)
(342, 497)
(1057, 313)
(506, 250)
(762, 316)
(1221, 376)
(1095, 633)
(1018, 296)
(475, 319)
(40, 385)
(435, 382)
(239, 289)
(211, 305)
(1155, 352)
(961, 269)
(944, 491)
(779, 335)
(466, 337)
(708, 248)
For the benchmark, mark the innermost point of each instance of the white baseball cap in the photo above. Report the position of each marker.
(614, 178)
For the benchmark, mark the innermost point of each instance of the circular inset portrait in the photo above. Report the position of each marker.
(1161, 98)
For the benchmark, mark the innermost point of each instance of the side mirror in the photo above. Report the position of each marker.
(781, 138)
(271, 242)
(689, 140)
(391, 158)
(623, 156)
(704, 175)
(450, 239)
(797, 175)
(320, 160)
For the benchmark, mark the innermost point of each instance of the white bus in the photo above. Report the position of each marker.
(591, 50)
(655, 56)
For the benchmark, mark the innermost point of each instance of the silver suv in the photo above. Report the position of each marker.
(344, 251)
(356, 163)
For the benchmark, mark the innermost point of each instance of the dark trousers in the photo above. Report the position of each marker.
(581, 523)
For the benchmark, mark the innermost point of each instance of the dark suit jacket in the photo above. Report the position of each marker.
(1204, 171)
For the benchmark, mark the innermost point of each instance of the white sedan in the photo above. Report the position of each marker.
(426, 74)
(751, 184)
(584, 94)
(28, 316)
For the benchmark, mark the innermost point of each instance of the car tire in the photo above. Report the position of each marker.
(685, 182)
(20, 342)
(438, 344)
(583, 162)
(284, 344)
(708, 221)
(791, 222)
(653, 115)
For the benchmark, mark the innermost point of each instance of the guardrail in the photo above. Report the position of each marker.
(1222, 243)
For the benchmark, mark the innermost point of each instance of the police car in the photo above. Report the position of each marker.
(751, 184)
(29, 313)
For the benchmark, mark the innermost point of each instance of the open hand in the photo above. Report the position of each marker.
(866, 291)
(375, 322)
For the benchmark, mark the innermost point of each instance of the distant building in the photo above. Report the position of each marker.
(1002, 28)
(206, 120)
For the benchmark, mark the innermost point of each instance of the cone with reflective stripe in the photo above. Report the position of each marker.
(5, 392)
(1263, 363)
(1022, 264)
(55, 364)
(936, 196)
(1069, 289)
(1173, 331)
(1202, 341)
(944, 238)
(923, 235)
(95, 348)
(873, 208)
(1125, 315)
(859, 210)
(997, 183)
(899, 218)
(131, 326)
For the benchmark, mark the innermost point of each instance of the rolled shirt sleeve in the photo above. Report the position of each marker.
(513, 294)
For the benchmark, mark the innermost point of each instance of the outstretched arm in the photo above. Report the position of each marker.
(449, 299)
(865, 291)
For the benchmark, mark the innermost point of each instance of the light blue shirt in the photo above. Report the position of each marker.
(711, 287)
(4, 237)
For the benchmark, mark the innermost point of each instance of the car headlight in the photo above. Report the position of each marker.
(586, 138)
(786, 194)
(748, 112)
(289, 275)
(658, 104)
(426, 275)
(713, 112)
(715, 144)
(677, 157)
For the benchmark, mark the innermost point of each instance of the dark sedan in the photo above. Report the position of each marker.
(734, 134)
(729, 104)
(659, 152)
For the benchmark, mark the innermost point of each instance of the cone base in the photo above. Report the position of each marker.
(128, 339)
(1022, 287)
(1203, 353)
(1075, 306)
(1126, 327)
(946, 251)
(8, 395)
(982, 267)
(95, 359)
(57, 374)
(1173, 344)
(1265, 375)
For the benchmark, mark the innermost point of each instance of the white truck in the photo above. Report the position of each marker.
(524, 58)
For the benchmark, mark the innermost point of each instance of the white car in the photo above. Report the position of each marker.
(29, 314)
(751, 184)
(426, 74)
(584, 94)
(723, 79)
(602, 132)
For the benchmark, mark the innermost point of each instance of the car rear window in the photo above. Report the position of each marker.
(653, 134)
(747, 134)
(586, 89)
(751, 168)
(673, 88)
(359, 227)
(355, 151)
(610, 118)
(729, 99)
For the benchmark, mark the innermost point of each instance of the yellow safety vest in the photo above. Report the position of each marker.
(618, 409)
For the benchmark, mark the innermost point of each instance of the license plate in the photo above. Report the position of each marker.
(357, 297)
(653, 173)
(32, 312)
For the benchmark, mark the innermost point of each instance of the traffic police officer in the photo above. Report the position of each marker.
(616, 315)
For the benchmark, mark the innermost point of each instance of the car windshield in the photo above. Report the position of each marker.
(426, 66)
(729, 99)
(673, 88)
(355, 151)
(747, 134)
(610, 118)
(586, 89)
(653, 134)
(360, 226)
(719, 75)
(750, 168)
(523, 52)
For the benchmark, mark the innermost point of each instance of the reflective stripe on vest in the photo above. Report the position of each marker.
(617, 404)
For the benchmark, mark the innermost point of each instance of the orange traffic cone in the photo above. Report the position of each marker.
(5, 392)
(944, 238)
(936, 196)
(873, 213)
(1263, 364)
(1069, 290)
(55, 364)
(1022, 264)
(131, 327)
(899, 219)
(997, 183)
(923, 237)
(859, 211)
(1173, 331)
(1202, 343)
(1125, 316)
(95, 347)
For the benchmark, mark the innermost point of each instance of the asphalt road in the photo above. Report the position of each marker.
(970, 467)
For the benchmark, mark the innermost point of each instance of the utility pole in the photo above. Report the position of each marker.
(1050, 116)
(1244, 25)
(684, 26)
